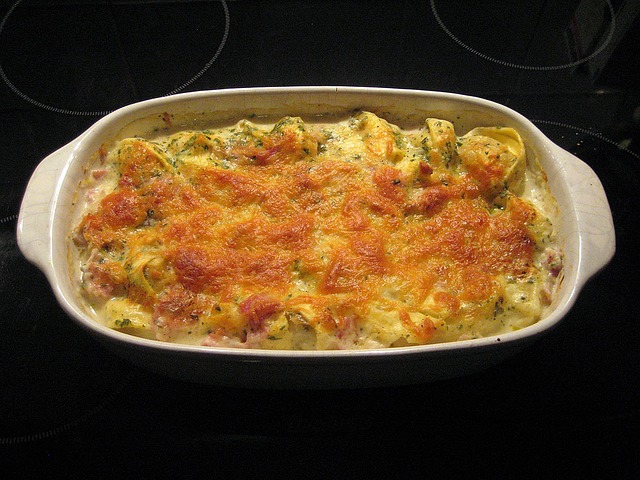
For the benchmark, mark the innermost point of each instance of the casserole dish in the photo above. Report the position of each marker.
(585, 229)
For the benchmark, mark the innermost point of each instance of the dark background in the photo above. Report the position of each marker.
(567, 407)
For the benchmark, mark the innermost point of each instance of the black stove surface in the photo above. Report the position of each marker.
(566, 407)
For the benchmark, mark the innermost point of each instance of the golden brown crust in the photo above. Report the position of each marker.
(351, 235)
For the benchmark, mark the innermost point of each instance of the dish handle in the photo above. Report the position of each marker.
(594, 220)
(36, 210)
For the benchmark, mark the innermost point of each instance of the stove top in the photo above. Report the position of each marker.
(568, 405)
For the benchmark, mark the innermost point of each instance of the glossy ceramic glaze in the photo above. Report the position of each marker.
(585, 229)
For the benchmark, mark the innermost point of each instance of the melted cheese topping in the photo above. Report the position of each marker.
(352, 234)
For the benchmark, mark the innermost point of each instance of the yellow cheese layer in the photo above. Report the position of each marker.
(351, 234)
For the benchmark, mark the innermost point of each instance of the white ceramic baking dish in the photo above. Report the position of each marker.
(585, 226)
